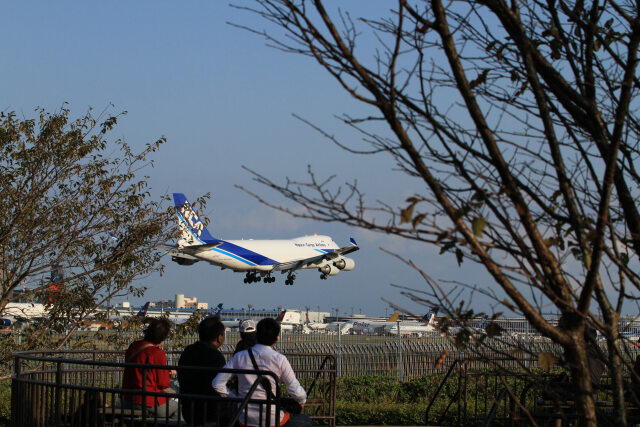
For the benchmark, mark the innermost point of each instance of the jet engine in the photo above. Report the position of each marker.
(329, 270)
(346, 264)
(183, 261)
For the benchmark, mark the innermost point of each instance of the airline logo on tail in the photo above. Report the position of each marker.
(430, 317)
(143, 310)
(216, 311)
(192, 229)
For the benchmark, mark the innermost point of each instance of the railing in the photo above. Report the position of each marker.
(357, 355)
(465, 396)
(80, 388)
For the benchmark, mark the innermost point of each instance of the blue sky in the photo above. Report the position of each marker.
(223, 100)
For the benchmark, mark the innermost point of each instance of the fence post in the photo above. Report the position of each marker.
(58, 402)
(15, 392)
(399, 351)
(339, 350)
(528, 345)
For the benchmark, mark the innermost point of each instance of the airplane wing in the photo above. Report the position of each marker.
(189, 250)
(317, 260)
(194, 249)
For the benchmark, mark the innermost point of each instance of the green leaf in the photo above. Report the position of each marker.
(478, 225)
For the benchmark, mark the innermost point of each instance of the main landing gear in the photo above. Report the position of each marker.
(290, 278)
(252, 277)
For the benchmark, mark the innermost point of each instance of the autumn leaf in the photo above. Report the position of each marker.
(441, 359)
(493, 330)
(418, 219)
(546, 360)
(482, 78)
(407, 213)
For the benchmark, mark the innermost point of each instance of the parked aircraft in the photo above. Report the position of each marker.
(15, 312)
(424, 326)
(288, 320)
(179, 319)
(258, 259)
(371, 326)
(473, 330)
(124, 321)
(343, 327)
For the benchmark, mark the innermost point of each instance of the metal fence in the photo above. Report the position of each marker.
(80, 388)
(402, 356)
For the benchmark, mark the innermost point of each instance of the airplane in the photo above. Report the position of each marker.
(286, 322)
(216, 311)
(313, 326)
(343, 327)
(178, 319)
(143, 310)
(15, 312)
(259, 259)
(425, 325)
(370, 326)
(479, 330)
(95, 325)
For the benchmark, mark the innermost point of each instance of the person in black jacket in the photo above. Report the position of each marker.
(203, 353)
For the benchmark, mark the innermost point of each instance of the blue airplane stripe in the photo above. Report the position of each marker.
(234, 256)
(245, 255)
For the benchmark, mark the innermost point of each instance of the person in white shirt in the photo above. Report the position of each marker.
(267, 359)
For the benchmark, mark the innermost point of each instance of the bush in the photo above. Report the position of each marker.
(357, 413)
(377, 389)
(382, 400)
(5, 403)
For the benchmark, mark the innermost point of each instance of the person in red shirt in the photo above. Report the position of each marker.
(146, 351)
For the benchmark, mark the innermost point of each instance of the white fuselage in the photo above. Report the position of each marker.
(369, 326)
(24, 310)
(411, 328)
(261, 255)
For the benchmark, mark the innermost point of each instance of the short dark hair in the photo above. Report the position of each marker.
(210, 328)
(267, 331)
(157, 331)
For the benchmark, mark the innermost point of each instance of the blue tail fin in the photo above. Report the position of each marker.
(193, 231)
(430, 317)
(143, 310)
(216, 311)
